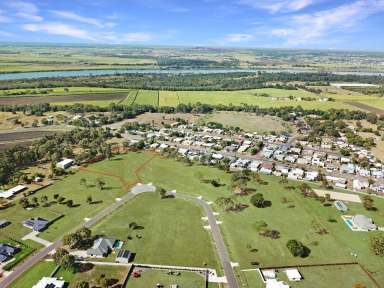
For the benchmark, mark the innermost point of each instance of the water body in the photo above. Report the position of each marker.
(75, 73)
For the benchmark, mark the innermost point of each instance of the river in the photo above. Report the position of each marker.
(72, 73)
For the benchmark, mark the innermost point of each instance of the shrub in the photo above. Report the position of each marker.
(298, 249)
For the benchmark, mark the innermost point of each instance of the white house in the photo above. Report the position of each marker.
(49, 282)
(360, 184)
(12, 192)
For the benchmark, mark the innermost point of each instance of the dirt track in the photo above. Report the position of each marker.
(21, 100)
(365, 107)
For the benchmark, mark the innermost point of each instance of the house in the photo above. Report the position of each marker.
(12, 192)
(49, 282)
(123, 256)
(266, 168)
(293, 275)
(363, 223)
(6, 252)
(36, 224)
(174, 286)
(296, 173)
(268, 274)
(273, 283)
(360, 184)
(101, 247)
(282, 169)
(243, 148)
(348, 168)
(254, 166)
(4, 223)
(311, 175)
(66, 163)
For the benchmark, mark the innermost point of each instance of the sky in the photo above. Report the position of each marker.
(316, 24)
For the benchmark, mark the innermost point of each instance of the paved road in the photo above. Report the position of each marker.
(41, 254)
(217, 238)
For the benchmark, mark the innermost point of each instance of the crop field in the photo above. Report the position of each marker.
(271, 98)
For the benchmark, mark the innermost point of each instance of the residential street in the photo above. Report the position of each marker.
(217, 238)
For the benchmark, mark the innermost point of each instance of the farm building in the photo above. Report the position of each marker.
(123, 256)
(36, 224)
(49, 282)
(12, 192)
(101, 247)
(273, 283)
(293, 275)
(66, 163)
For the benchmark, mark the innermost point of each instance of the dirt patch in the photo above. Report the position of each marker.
(339, 196)
(16, 136)
(365, 107)
(52, 99)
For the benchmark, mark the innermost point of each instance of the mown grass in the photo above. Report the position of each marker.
(149, 278)
(171, 231)
(70, 188)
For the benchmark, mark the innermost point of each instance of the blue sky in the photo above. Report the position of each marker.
(327, 24)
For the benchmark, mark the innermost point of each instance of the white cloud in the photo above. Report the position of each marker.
(3, 18)
(274, 6)
(238, 37)
(76, 17)
(6, 34)
(59, 29)
(137, 37)
(179, 10)
(26, 10)
(314, 27)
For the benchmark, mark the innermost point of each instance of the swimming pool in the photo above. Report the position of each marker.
(349, 223)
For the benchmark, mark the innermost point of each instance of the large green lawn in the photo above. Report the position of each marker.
(33, 275)
(172, 231)
(149, 278)
(70, 188)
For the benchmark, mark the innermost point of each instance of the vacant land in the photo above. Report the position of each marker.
(171, 231)
(149, 278)
(115, 273)
(170, 226)
(33, 275)
(158, 120)
(70, 189)
(248, 122)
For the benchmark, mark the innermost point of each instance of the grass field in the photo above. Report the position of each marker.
(33, 275)
(118, 275)
(149, 278)
(165, 220)
(248, 122)
(70, 188)
(172, 233)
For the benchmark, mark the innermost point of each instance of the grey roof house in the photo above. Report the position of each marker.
(36, 224)
(101, 247)
(6, 251)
